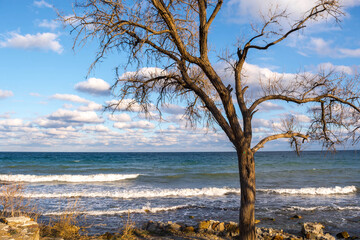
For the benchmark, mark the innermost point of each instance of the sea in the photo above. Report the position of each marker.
(108, 189)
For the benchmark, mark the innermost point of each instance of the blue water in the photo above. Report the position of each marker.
(105, 187)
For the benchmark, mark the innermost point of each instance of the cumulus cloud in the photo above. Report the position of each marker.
(16, 122)
(269, 106)
(5, 93)
(123, 117)
(43, 3)
(75, 116)
(173, 109)
(91, 106)
(70, 98)
(94, 86)
(48, 123)
(127, 105)
(139, 124)
(96, 128)
(338, 68)
(42, 41)
(326, 48)
(51, 24)
(144, 73)
(244, 10)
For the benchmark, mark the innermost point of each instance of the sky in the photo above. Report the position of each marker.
(49, 101)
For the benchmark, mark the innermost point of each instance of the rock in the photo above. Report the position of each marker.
(278, 237)
(175, 226)
(296, 217)
(191, 217)
(205, 225)
(267, 219)
(232, 228)
(19, 228)
(220, 227)
(343, 235)
(315, 231)
(189, 229)
(315, 228)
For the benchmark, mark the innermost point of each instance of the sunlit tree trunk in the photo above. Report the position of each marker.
(248, 188)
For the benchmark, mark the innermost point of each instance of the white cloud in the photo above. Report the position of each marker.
(75, 116)
(127, 105)
(16, 122)
(269, 106)
(315, 45)
(243, 10)
(94, 86)
(43, 41)
(140, 124)
(5, 93)
(347, 52)
(173, 109)
(96, 128)
(144, 73)
(338, 68)
(51, 24)
(48, 123)
(123, 117)
(70, 98)
(43, 3)
(92, 106)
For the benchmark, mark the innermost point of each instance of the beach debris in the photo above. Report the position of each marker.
(296, 217)
(343, 234)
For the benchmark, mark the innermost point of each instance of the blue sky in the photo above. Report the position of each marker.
(48, 102)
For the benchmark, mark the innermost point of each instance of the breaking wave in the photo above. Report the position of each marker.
(324, 208)
(145, 209)
(312, 191)
(66, 178)
(153, 193)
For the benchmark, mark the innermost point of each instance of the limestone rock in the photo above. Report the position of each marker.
(19, 228)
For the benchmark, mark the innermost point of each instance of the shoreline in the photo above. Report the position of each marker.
(23, 228)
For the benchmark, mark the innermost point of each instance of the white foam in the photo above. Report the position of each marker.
(66, 178)
(324, 208)
(312, 191)
(132, 193)
(145, 209)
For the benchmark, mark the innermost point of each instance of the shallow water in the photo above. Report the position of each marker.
(321, 187)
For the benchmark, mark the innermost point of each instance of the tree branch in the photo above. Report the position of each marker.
(278, 136)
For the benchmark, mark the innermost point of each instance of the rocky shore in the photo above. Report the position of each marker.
(25, 228)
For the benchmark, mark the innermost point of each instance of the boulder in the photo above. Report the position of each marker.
(315, 231)
(189, 229)
(343, 235)
(220, 227)
(19, 228)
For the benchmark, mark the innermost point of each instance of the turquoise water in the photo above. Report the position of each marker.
(321, 187)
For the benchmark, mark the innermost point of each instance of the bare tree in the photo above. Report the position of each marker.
(173, 34)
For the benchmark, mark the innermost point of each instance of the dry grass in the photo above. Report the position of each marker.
(14, 203)
(66, 225)
(128, 229)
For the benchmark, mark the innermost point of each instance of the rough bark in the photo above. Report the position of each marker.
(248, 188)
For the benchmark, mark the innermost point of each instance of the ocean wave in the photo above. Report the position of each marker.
(66, 178)
(153, 193)
(145, 209)
(324, 208)
(312, 191)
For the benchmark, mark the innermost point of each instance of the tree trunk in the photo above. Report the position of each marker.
(247, 184)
